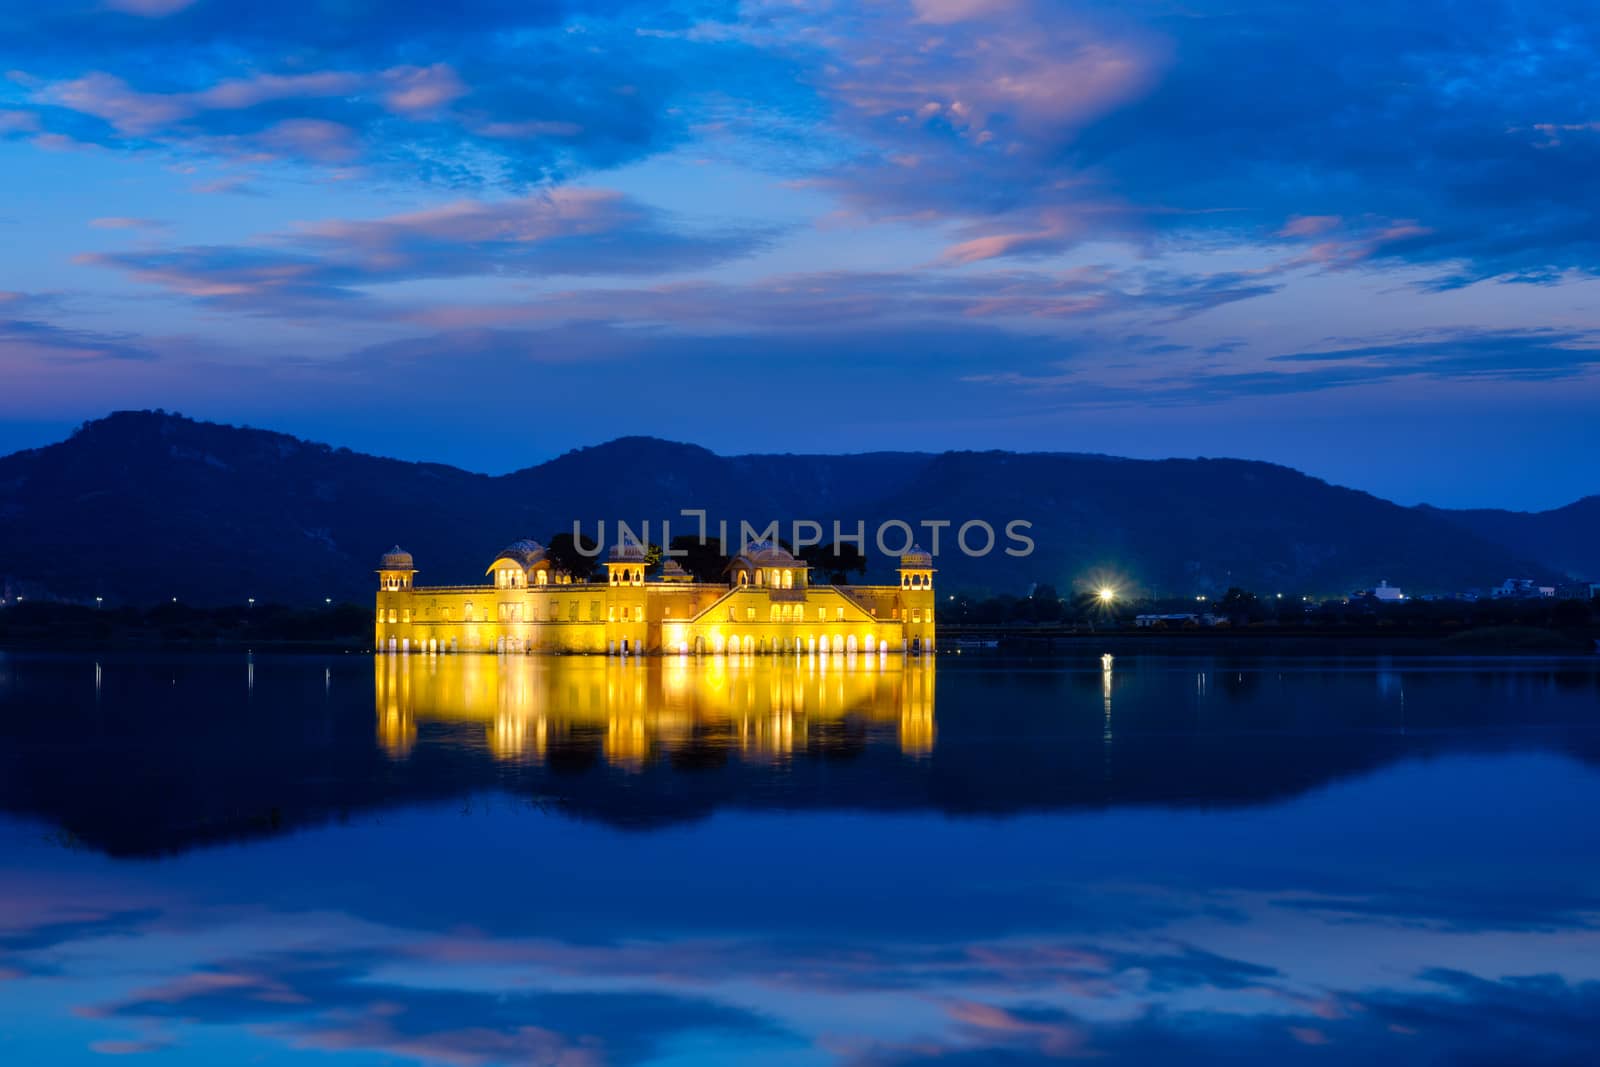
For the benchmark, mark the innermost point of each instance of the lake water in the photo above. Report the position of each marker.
(466, 860)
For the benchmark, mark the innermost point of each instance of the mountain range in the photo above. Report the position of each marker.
(145, 506)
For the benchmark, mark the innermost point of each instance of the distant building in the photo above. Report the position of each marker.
(1387, 592)
(1175, 620)
(1522, 589)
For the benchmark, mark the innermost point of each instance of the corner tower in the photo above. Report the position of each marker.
(395, 573)
(917, 599)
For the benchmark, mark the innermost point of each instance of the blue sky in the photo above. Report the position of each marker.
(1361, 241)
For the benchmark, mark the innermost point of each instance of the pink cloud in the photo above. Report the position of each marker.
(130, 1047)
(240, 93)
(233, 183)
(18, 122)
(519, 131)
(315, 139)
(461, 1047)
(1339, 254)
(150, 9)
(1005, 244)
(417, 90)
(121, 222)
(108, 97)
(947, 11)
(137, 113)
(1553, 131)
(1308, 225)
(1053, 1038)
(525, 220)
(1014, 77)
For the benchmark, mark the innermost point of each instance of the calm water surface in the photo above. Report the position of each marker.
(464, 860)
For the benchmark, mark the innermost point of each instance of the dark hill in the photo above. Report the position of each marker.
(145, 506)
(1566, 539)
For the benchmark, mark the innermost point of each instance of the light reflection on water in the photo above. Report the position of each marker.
(470, 860)
(758, 707)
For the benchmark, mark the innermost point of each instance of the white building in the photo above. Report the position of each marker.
(1519, 588)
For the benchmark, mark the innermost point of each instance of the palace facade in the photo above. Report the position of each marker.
(767, 604)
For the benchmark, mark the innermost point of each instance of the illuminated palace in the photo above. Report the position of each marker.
(767, 605)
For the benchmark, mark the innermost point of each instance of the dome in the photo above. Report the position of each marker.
(767, 553)
(396, 559)
(629, 551)
(525, 552)
(672, 571)
(916, 557)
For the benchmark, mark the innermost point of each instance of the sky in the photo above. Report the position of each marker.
(1360, 240)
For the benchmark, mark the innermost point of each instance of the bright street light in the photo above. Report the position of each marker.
(1107, 595)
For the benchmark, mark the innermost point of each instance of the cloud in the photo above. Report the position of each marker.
(419, 90)
(509, 96)
(1012, 128)
(826, 301)
(1451, 1017)
(322, 267)
(23, 338)
(149, 8)
(119, 222)
(1030, 128)
(333, 1001)
(1468, 355)
(237, 184)
(1495, 355)
(18, 122)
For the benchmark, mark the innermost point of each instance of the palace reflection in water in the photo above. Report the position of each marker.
(636, 710)
(596, 861)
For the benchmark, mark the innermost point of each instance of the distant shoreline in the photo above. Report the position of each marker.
(346, 628)
(1117, 643)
